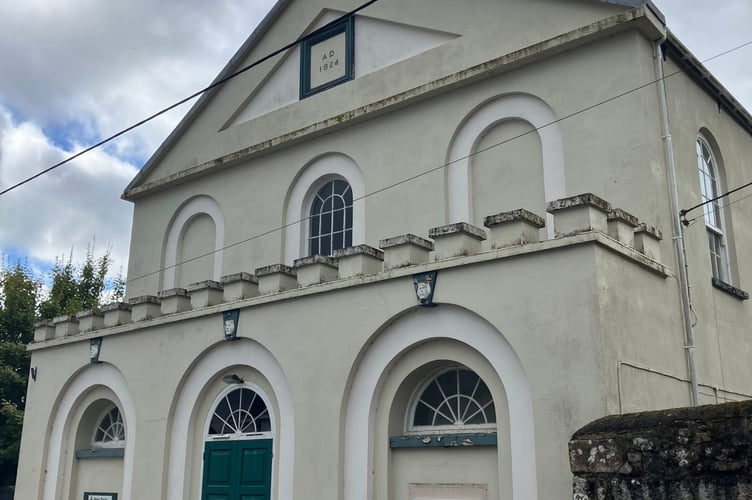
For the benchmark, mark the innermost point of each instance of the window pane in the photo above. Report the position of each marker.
(326, 223)
(454, 399)
(333, 206)
(241, 411)
(339, 220)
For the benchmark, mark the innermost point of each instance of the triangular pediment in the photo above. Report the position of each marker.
(282, 85)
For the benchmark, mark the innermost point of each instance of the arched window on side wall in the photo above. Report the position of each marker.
(714, 219)
(331, 218)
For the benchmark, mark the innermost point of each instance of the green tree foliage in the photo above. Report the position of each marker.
(76, 288)
(73, 288)
(19, 293)
(18, 299)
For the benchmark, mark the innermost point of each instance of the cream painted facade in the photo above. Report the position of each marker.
(455, 111)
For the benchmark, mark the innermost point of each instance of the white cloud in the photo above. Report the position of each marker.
(66, 208)
(78, 71)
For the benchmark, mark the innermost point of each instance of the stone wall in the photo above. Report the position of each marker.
(678, 454)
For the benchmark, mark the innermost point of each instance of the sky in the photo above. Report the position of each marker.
(76, 71)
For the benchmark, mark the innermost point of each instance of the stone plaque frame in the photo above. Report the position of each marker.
(100, 496)
(327, 57)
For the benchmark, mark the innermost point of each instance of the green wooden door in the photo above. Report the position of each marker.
(237, 470)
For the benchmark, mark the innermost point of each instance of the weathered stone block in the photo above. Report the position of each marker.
(518, 227)
(90, 320)
(65, 326)
(360, 260)
(456, 240)
(316, 269)
(174, 300)
(405, 250)
(144, 308)
(205, 293)
(116, 313)
(579, 214)
(239, 286)
(276, 278)
(647, 240)
(44, 331)
(621, 226)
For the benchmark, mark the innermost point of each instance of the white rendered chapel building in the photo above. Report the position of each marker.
(406, 259)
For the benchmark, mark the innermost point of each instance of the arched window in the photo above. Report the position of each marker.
(240, 413)
(110, 430)
(331, 218)
(456, 399)
(709, 188)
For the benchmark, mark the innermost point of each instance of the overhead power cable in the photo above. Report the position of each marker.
(449, 163)
(215, 84)
(683, 213)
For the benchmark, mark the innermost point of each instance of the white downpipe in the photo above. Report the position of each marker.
(678, 232)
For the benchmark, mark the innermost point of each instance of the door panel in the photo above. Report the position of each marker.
(237, 470)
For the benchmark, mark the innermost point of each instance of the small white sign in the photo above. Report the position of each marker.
(328, 60)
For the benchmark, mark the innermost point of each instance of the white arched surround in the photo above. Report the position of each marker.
(523, 106)
(195, 206)
(320, 171)
(407, 332)
(242, 352)
(93, 376)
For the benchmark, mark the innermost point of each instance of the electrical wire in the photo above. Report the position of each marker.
(442, 166)
(213, 85)
(222, 81)
(683, 213)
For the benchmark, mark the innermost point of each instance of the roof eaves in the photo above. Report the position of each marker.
(694, 69)
(639, 3)
(244, 49)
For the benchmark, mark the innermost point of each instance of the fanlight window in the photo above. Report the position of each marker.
(241, 412)
(331, 218)
(453, 400)
(110, 430)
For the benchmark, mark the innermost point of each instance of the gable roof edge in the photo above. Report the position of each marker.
(257, 33)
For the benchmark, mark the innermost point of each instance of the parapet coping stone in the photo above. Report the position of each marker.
(651, 230)
(172, 292)
(64, 318)
(406, 239)
(116, 306)
(144, 299)
(94, 311)
(204, 285)
(242, 276)
(617, 214)
(41, 324)
(457, 227)
(315, 259)
(275, 268)
(579, 200)
(359, 250)
(514, 215)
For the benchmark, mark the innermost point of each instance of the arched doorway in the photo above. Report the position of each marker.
(238, 446)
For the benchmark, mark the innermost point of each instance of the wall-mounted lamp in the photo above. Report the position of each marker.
(34, 373)
(95, 346)
(230, 323)
(233, 378)
(425, 284)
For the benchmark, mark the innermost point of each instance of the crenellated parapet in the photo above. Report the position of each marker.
(581, 219)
